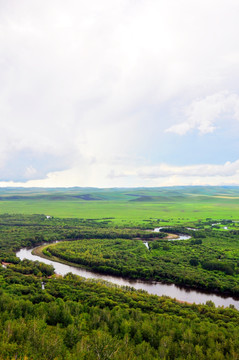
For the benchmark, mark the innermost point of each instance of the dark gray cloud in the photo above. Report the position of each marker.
(26, 165)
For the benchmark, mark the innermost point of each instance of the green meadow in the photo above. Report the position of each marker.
(132, 206)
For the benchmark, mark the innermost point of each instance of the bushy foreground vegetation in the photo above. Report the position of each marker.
(77, 319)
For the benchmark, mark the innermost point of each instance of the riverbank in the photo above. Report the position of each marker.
(130, 277)
(38, 251)
(176, 292)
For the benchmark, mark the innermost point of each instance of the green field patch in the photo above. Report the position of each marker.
(126, 206)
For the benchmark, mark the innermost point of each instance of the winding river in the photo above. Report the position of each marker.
(155, 288)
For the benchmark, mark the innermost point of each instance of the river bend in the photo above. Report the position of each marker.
(155, 288)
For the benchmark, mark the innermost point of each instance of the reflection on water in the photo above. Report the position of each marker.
(154, 288)
(180, 237)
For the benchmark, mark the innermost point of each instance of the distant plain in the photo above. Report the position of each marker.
(131, 206)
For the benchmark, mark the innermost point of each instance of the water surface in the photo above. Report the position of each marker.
(155, 288)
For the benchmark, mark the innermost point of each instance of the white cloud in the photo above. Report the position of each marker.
(202, 170)
(203, 114)
(79, 80)
(102, 174)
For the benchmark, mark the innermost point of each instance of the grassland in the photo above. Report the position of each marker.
(132, 206)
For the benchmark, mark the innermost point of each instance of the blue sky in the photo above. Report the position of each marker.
(122, 93)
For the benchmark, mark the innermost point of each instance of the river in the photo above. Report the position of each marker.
(179, 237)
(155, 288)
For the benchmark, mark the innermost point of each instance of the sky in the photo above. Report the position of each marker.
(121, 93)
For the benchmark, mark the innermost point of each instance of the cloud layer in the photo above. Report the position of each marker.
(203, 114)
(97, 93)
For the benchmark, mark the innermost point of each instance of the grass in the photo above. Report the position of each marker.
(177, 205)
(125, 212)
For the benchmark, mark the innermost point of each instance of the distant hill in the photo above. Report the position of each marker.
(157, 194)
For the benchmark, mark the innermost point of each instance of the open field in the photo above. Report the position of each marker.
(132, 206)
